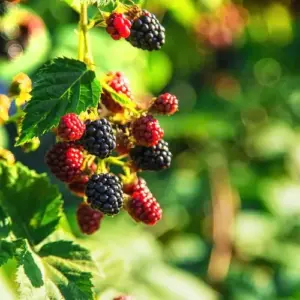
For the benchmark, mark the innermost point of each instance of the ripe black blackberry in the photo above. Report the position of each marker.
(99, 138)
(104, 192)
(146, 32)
(154, 158)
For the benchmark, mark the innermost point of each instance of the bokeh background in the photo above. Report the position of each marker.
(231, 201)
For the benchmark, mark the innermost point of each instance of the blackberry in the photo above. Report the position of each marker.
(118, 26)
(165, 104)
(88, 219)
(99, 138)
(146, 32)
(65, 161)
(147, 131)
(70, 127)
(104, 192)
(154, 158)
(143, 207)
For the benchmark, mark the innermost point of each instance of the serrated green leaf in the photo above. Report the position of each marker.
(33, 204)
(60, 86)
(65, 264)
(122, 99)
(26, 261)
(65, 249)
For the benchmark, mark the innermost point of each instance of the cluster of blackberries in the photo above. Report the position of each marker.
(140, 28)
(85, 149)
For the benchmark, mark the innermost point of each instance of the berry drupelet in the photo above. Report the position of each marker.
(143, 207)
(70, 127)
(88, 219)
(104, 193)
(154, 158)
(147, 131)
(165, 104)
(118, 26)
(65, 161)
(146, 32)
(119, 83)
(99, 138)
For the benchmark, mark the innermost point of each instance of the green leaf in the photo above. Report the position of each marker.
(6, 251)
(5, 225)
(33, 204)
(26, 261)
(122, 99)
(65, 249)
(65, 264)
(60, 86)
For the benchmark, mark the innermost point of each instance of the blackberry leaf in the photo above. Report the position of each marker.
(33, 205)
(59, 87)
(69, 268)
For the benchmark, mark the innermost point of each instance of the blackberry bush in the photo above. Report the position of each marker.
(99, 129)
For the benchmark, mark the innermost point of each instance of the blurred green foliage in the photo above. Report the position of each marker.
(239, 108)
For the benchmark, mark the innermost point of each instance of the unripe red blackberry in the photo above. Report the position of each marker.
(88, 219)
(146, 32)
(119, 83)
(138, 185)
(104, 193)
(70, 127)
(143, 207)
(118, 26)
(147, 131)
(65, 161)
(99, 138)
(154, 158)
(165, 104)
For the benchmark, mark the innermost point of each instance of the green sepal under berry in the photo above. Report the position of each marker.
(61, 86)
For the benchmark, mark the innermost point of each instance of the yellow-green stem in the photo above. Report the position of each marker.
(84, 51)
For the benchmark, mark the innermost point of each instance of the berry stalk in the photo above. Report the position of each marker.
(84, 51)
